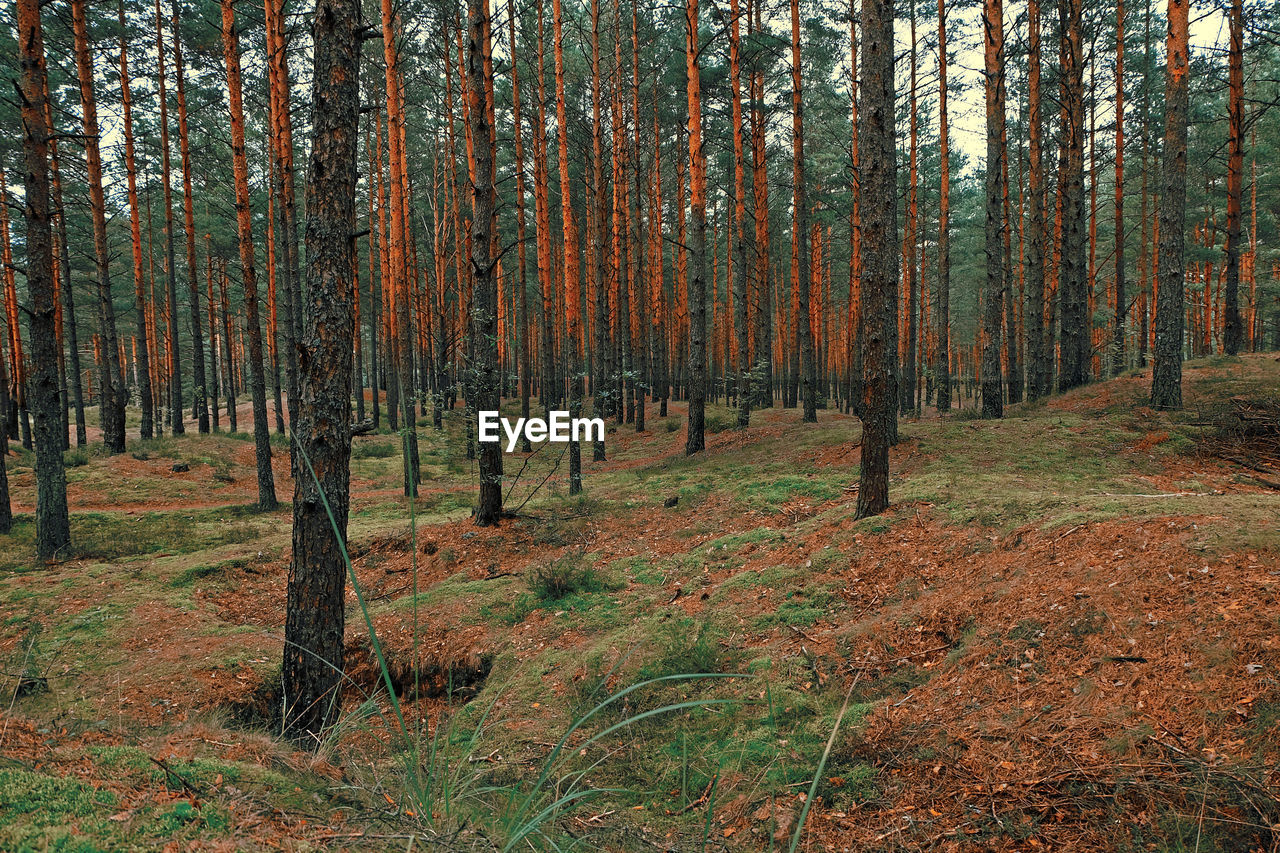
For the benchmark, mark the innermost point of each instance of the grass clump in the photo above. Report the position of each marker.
(683, 649)
(373, 450)
(558, 579)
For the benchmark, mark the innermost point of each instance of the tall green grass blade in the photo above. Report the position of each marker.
(822, 764)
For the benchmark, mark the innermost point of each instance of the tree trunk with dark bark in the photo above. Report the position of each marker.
(53, 527)
(1231, 324)
(484, 299)
(879, 286)
(1073, 282)
(1166, 379)
(993, 294)
(942, 352)
(314, 621)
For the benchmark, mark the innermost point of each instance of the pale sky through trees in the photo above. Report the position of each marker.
(967, 117)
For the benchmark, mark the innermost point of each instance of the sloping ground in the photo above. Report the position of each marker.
(1063, 635)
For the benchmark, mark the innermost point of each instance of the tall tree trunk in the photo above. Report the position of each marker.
(53, 528)
(375, 254)
(696, 439)
(1231, 324)
(878, 180)
(907, 388)
(6, 275)
(75, 381)
(200, 397)
(993, 294)
(942, 351)
(657, 290)
(399, 283)
(760, 200)
(212, 395)
(244, 232)
(738, 232)
(597, 218)
(621, 281)
(229, 354)
(484, 310)
(1073, 282)
(804, 330)
(1038, 356)
(113, 394)
(1166, 380)
(143, 358)
(572, 274)
(170, 261)
(1121, 303)
(1010, 314)
(542, 214)
(16, 401)
(6, 510)
(526, 330)
(282, 136)
(638, 299)
(314, 619)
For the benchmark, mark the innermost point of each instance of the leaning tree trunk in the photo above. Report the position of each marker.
(314, 623)
(1166, 378)
(244, 231)
(53, 528)
(878, 180)
(484, 300)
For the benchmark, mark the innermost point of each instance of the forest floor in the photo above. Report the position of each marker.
(1064, 635)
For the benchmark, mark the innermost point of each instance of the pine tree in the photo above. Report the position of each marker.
(135, 234)
(942, 357)
(696, 440)
(314, 621)
(993, 293)
(1231, 323)
(112, 392)
(1166, 380)
(249, 278)
(53, 527)
(878, 180)
(484, 312)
